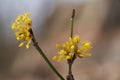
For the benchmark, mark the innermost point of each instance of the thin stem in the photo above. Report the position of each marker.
(45, 57)
(70, 68)
(70, 62)
(48, 62)
(72, 23)
(71, 28)
(70, 76)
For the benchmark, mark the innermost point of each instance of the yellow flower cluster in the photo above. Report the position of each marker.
(68, 49)
(22, 27)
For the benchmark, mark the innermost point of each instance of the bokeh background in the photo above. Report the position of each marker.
(97, 21)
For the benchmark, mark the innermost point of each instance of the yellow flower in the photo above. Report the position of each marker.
(71, 47)
(22, 26)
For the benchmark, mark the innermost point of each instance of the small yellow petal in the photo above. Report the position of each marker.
(22, 35)
(64, 46)
(28, 46)
(19, 17)
(86, 46)
(27, 14)
(17, 22)
(14, 27)
(68, 57)
(18, 38)
(14, 24)
(81, 55)
(59, 59)
(78, 51)
(27, 38)
(55, 58)
(21, 44)
(19, 26)
(76, 39)
(28, 34)
(24, 18)
(17, 34)
(62, 52)
(70, 39)
(88, 54)
(27, 22)
(72, 47)
(58, 46)
(22, 29)
(85, 55)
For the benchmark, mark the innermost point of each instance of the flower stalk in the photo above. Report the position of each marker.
(45, 57)
(72, 23)
(70, 61)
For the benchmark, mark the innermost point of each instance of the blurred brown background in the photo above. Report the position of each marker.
(96, 20)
